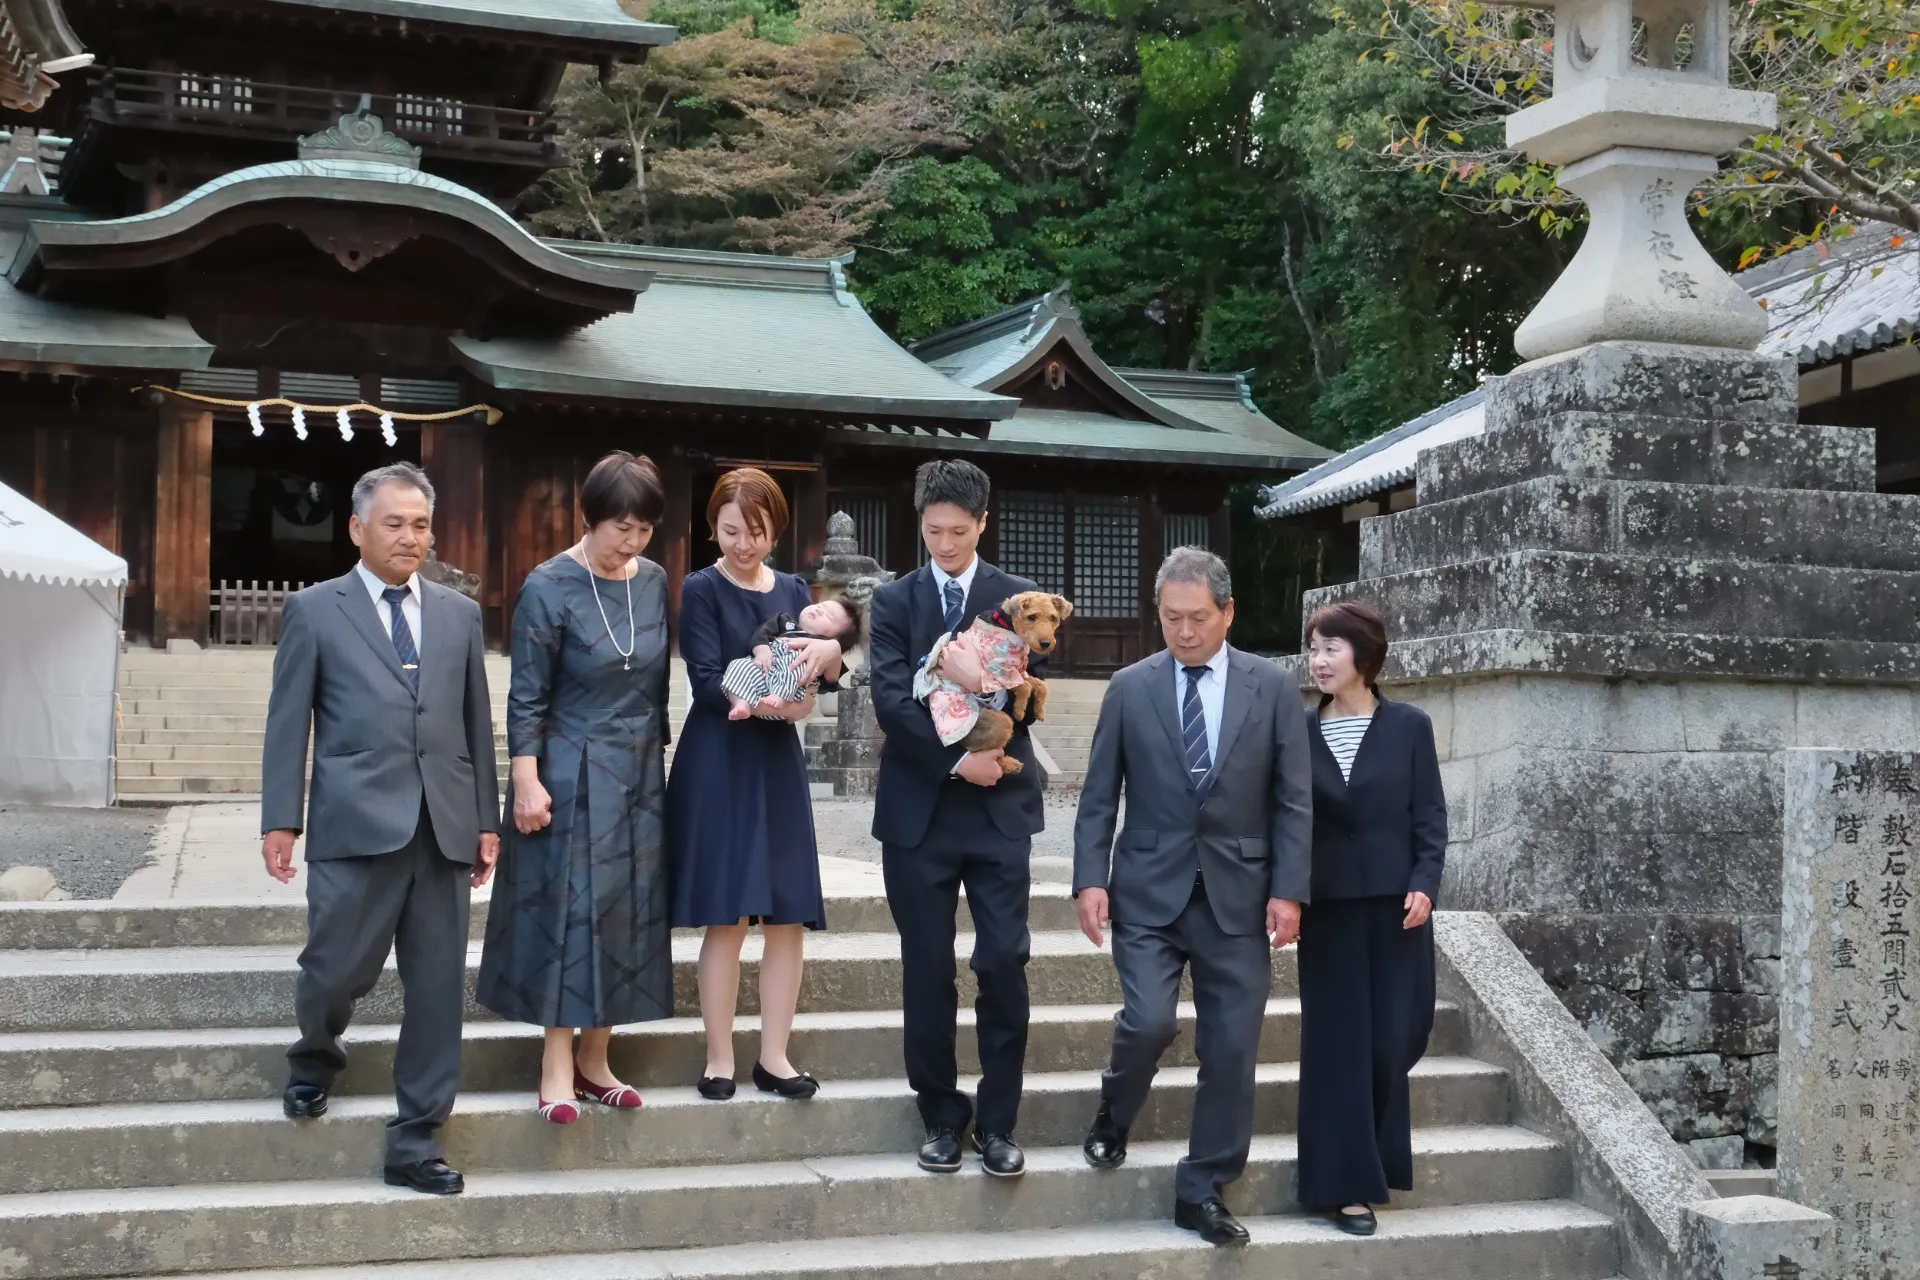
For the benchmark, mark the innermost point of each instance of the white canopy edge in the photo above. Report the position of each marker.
(38, 547)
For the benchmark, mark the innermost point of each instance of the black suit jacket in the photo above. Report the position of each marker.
(915, 766)
(1384, 832)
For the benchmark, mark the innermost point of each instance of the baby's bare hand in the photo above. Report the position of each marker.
(763, 657)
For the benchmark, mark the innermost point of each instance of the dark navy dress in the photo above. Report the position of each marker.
(577, 929)
(739, 810)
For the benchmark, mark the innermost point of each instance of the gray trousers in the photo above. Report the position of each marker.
(1232, 974)
(413, 901)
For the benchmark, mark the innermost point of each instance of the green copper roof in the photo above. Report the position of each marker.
(592, 21)
(731, 329)
(348, 181)
(1092, 437)
(1223, 402)
(34, 331)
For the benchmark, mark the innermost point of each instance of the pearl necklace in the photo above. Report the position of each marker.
(626, 654)
(727, 573)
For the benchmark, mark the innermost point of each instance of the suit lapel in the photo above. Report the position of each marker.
(985, 594)
(360, 611)
(1241, 688)
(1162, 688)
(929, 619)
(437, 622)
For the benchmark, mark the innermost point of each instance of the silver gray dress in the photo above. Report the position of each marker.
(577, 933)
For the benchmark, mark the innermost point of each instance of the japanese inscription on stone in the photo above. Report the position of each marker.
(1849, 1102)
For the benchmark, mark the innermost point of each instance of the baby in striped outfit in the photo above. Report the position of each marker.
(765, 680)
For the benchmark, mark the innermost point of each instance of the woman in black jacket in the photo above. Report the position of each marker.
(1366, 940)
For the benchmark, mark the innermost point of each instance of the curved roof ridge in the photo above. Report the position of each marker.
(1276, 501)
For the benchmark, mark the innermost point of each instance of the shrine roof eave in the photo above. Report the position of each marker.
(362, 182)
(595, 22)
(1098, 438)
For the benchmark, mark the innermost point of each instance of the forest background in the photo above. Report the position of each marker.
(1314, 194)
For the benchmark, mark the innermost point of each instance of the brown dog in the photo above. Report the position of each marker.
(1034, 616)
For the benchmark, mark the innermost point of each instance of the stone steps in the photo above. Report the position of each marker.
(73, 1148)
(1551, 1238)
(77, 1070)
(61, 990)
(530, 1213)
(139, 1114)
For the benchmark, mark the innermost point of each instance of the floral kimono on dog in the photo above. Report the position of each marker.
(1003, 666)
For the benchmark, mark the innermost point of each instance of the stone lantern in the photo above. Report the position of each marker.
(1635, 132)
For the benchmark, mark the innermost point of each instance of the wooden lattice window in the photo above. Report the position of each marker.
(413, 114)
(1184, 530)
(869, 512)
(1033, 538)
(1106, 557)
(214, 93)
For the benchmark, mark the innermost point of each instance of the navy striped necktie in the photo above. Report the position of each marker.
(954, 604)
(1193, 728)
(403, 635)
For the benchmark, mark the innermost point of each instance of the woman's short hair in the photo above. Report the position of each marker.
(623, 486)
(758, 496)
(1360, 625)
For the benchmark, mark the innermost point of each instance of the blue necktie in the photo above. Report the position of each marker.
(956, 604)
(1193, 727)
(403, 636)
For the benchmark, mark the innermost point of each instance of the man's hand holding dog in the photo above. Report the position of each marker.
(981, 768)
(960, 664)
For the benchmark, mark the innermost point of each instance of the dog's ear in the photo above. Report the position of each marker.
(1065, 606)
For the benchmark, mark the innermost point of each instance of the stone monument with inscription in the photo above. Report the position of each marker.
(1849, 1023)
(1638, 587)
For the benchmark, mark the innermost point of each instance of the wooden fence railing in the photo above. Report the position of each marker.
(248, 612)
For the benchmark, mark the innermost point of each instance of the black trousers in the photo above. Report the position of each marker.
(1366, 1011)
(359, 910)
(923, 890)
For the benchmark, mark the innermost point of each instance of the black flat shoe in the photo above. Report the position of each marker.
(1355, 1224)
(715, 1088)
(999, 1156)
(1106, 1144)
(431, 1176)
(304, 1102)
(1211, 1219)
(940, 1153)
(799, 1088)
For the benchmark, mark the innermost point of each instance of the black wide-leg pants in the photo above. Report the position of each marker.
(1366, 1011)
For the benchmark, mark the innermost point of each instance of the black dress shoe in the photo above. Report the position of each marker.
(940, 1153)
(431, 1176)
(1106, 1144)
(304, 1101)
(999, 1156)
(1355, 1224)
(715, 1088)
(1211, 1219)
(799, 1088)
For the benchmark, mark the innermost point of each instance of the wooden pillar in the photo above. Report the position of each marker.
(454, 455)
(810, 516)
(674, 537)
(1153, 548)
(1221, 531)
(183, 524)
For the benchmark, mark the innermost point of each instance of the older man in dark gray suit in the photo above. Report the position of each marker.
(1210, 746)
(388, 671)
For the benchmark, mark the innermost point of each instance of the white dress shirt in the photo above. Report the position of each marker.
(409, 608)
(1213, 698)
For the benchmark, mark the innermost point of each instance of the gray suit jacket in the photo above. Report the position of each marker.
(1252, 837)
(377, 747)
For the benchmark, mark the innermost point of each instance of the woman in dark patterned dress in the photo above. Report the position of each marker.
(577, 930)
(739, 810)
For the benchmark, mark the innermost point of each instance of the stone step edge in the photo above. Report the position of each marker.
(1152, 1248)
(848, 1173)
(119, 1118)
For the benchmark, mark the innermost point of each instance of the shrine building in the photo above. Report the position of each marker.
(213, 211)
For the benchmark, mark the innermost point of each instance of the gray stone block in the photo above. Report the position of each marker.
(1742, 1237)
(1648, 378)
(1775, 456)
(1718, 1153)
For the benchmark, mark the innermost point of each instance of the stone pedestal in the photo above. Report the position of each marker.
(1849, 1024)
(852, 755)
(1621, 605)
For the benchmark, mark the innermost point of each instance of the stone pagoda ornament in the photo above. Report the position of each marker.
(1635, 131)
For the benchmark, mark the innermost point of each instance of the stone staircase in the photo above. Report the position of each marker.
(141, 1056)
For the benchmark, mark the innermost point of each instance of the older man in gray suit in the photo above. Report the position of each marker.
(388, 671)
(1210, 746)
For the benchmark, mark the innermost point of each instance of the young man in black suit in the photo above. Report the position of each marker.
(947, 817)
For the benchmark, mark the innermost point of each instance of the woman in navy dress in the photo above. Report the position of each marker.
(739, 809)
(577, 929)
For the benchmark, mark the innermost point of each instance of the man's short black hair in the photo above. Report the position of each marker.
(952, 481)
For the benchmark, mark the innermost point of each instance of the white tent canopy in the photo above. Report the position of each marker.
(60, 594)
